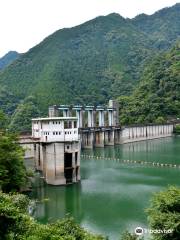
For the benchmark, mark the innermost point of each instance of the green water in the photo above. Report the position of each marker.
(112, 196)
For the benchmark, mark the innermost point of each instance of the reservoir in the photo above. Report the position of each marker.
(112, 195)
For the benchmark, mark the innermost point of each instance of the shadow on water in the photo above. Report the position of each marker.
(112, 196)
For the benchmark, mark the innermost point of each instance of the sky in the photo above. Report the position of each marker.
(25, 23)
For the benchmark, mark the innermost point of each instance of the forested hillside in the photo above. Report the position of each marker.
(90, 63)
(8, 59)
(157, 98)
(162, 27)
(99, 60)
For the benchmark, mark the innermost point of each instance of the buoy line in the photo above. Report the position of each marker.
(154, 164)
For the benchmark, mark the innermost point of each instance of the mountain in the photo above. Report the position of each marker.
(8, 58)
(91, 63)
(157, 98)
(162, 27)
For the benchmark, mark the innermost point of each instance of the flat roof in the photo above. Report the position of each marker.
(54, 118)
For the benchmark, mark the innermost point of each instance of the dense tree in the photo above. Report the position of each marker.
(14, 221)
(8, 59)
(129, 236)
(21, 119)
(157, 98)
(164, 214)
(16, 224)
(3, 121)
(12, 170)
(177, 129)
(8, 101)
(163, 26)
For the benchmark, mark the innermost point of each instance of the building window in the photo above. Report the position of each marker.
(67, 147)
(67, 124)
(75, 124)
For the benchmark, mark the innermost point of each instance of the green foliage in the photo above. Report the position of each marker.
(177, 129)
(162, 27)
(128, 236)
(8, 59)
(157, 98)
(8, 101)
(164, 213)
(160, 120)
(65, 229)
(3, 120)
(21, 119)
(12, 170)
(15, 223)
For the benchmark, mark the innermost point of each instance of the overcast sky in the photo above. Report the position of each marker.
(24, 23)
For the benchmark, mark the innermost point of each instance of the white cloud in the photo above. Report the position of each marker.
(24, 23)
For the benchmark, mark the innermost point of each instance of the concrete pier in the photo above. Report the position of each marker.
(99, 138)
(109, 137)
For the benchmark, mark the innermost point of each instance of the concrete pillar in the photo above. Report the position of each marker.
(99, 139)
(80, 118)
(88, 140)
(117, 136)
(53, 111)
(90, 118)
(153, 131)
(41, 158)
(114, 104)
(54, 163)
(66, 113)
(110, 118)
(37, 156)
(109, 137)
(101, 118)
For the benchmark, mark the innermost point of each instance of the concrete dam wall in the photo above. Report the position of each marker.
(100, 137)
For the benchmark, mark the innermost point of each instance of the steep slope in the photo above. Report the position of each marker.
(158, 96)
(8, 59)
(88, 63)
(91, 63)
(163, 27)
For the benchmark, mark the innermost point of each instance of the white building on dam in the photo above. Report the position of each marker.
(57, 149)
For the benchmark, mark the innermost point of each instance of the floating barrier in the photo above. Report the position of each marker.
(154, 164)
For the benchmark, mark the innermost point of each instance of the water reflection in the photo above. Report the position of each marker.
(158, 150)
(55, 202)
